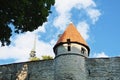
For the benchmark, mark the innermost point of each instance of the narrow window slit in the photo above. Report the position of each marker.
(69, 48)
(68, 42)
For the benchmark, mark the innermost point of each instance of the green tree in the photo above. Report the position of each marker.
(25, 15)
(34, 59)
(45, 57)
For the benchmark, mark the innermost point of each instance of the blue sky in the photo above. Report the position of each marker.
(96, 20)
(106, 31)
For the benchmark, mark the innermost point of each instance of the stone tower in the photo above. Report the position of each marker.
(71, 50)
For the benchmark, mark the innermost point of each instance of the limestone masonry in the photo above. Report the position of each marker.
(71, 62)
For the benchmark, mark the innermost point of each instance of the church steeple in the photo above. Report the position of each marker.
(32, 53)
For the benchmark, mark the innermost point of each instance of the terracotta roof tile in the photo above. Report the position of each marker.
(71, 33)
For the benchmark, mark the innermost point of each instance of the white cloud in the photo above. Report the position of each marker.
(23, 46)
(64, 9)
(61, 21)
(83, 28)
(63, 6)
(41, 28)
(99, 55)
(93, 14)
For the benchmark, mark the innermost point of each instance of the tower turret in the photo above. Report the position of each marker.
(70, 53)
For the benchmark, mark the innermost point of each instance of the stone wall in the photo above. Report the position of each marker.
(103, 68)
(97, 69)
(37, 70)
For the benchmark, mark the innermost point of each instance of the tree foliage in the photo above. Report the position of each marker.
(25, 15)
(45, 57)
(34, 59)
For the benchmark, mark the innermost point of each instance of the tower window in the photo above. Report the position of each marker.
(68, 41)
(69, 48)
(83, 51)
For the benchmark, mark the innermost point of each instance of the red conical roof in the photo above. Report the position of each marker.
(71, 33)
